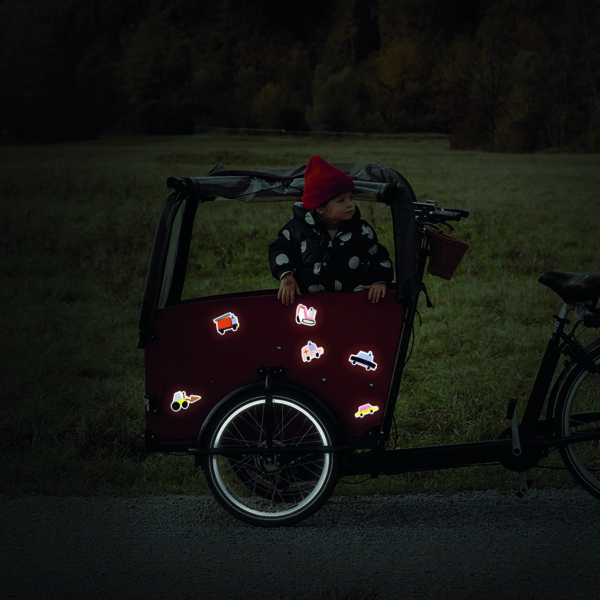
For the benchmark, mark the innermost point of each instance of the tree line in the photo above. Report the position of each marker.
(506, 75)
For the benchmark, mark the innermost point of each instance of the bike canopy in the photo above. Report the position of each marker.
(168, 261)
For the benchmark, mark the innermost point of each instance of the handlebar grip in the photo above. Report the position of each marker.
(446, 214)
(461, 212)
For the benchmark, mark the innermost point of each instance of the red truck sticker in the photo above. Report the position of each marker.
(226, 322)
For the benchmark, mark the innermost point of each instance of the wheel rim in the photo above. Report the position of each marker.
(270, 486)
(581, 413)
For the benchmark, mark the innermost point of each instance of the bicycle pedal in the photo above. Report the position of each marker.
(514, 427)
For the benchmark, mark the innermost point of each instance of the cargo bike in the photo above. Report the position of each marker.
(276, 403)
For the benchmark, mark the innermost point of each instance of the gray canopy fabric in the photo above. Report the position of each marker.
(173, 237)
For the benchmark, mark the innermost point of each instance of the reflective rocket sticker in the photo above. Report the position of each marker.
(181, 400)
(311, 351)
(306, 316)
(226, 322)
(364, 359)
(365, 409)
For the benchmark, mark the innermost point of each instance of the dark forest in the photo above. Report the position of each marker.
(503, 75)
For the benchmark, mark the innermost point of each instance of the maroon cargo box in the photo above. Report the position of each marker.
(195, 354)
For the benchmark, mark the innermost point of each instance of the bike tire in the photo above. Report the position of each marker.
(578, 410)
(270, 489)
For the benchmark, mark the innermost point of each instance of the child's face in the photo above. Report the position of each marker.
(340, 208)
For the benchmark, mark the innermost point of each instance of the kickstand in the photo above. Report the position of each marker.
(523, 484)
(511, 415)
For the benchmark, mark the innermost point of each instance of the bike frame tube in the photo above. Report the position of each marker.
(406, 460)
(400, 362)
(410, 311)
(543, 380)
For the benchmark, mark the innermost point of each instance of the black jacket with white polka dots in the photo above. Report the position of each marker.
(353, 258)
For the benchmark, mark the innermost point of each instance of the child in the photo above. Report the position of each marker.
(327, 246)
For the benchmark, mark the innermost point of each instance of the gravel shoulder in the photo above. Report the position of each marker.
(471, 545)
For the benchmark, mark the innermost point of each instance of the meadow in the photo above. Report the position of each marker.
(77, 225)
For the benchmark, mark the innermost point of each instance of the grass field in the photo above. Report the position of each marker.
(77, 228)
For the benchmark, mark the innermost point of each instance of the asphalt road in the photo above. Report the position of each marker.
(481, 545)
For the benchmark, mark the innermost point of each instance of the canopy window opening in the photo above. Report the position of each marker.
(222, 246)
(228, 252)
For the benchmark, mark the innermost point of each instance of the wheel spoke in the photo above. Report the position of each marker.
(271, 487)
(578, 416)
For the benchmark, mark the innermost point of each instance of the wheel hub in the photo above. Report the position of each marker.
(270, 463)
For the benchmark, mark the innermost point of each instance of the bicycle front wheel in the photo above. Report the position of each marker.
(270, 481)
(578, 414)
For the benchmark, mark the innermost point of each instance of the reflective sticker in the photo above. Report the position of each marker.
(306, 316)
(181, 400)
(365, 409)
(364, 359)
(311, 351)
(226, 322)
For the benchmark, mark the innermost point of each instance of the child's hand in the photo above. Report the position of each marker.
(288, 288)
(376, 291)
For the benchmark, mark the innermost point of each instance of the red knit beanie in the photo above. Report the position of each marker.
(322, 182)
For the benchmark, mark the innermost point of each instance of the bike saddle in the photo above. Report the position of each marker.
(573, 288)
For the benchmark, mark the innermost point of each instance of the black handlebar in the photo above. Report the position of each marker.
(430, 213)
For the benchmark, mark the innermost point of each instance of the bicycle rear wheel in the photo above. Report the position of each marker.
(578, 413)
(277, 482)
